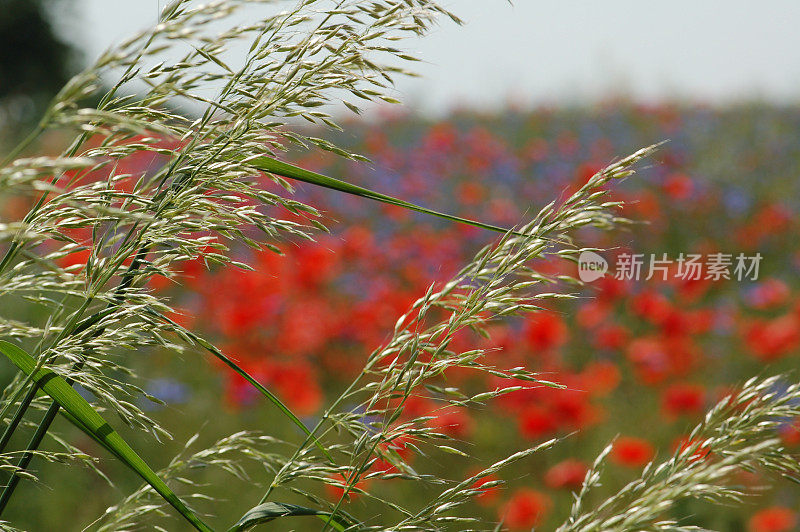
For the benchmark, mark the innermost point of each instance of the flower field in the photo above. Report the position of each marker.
(641, 360)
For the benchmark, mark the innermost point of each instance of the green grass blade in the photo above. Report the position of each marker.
(274, 166)
(246, 376)
(97, 428)
(264, 513)
(99, 441)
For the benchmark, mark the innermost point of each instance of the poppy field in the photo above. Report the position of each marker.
(640, 359)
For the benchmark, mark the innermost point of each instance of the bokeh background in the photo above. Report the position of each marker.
(522, 104)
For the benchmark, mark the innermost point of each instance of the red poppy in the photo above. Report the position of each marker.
(643, 206)
(769, 221)
(650, 359)
(317, 263)
(690, 289)
(572, 408)
(612, 337)
(601, 377)
(632, 452)
(305, 326)
(772, 339)
(655, 358)
(583, 174)
(416, 406)
(611, 289)
(790, 433)
(678, 186)
(536, 422)
(77, 258)
(525, 510)
(471, 193)
(592, 314)
(773, 519)
(398, 448)
(297, 384)
(546, 330)
(568, 474)
(652, 306)
(682, 399)
(768, 294)
(294, 382)
(441, 137)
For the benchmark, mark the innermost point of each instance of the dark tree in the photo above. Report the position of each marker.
(34, 61)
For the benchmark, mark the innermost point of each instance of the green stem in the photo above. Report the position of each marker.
(23, 463)
(18, 415)
(31, 395)
(52, 411)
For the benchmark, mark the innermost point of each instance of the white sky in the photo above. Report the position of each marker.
(567, 51)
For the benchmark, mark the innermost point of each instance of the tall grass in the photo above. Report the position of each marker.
(211, 191)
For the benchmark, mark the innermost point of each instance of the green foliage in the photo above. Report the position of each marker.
(88, 420)
(269, 511)
(34, 61)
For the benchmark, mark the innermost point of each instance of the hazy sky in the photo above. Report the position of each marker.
(568, 50)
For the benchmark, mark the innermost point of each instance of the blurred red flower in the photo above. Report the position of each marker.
(525, 510)
(773, 519)
(611, 289)
(611, 337)
(652, 306)
(568, 474)
(650, 359)
(601, 377)
(77, 258)
(305, 326)
(790, 432)
(298, 385)
(683, 398)
(294, 382)
(678, 186)
(632, 452)
(772, 339)
(573, 409)
(546, 330)
(655, 358)
(769, 221)
(592, 314)
(768, 294)
(536, 422)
